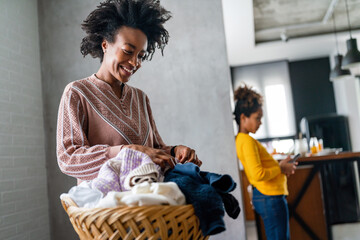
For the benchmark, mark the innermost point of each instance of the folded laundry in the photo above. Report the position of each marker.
(131, 179)
(83, 195)
(118, 173)
(223, 184)
(231, 205)
(144, 173)
(140, 195)
(145, 194)
(207, 192)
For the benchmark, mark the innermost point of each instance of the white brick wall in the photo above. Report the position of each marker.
(23, 189)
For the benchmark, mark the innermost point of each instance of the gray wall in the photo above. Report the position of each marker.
(23, 182)
(188, 89)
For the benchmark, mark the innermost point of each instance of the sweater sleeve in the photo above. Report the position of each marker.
(158, 142)
(75, 156)
(253, 163)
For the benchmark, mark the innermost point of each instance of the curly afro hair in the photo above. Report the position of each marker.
(247, 102)
(103, 23)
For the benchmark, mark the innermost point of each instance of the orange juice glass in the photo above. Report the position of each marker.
(314, 145)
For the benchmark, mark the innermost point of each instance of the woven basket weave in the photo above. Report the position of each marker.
(146, 222)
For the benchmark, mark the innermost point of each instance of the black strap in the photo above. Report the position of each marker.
(172, 151)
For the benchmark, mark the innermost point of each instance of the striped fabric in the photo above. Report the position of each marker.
(94, 124)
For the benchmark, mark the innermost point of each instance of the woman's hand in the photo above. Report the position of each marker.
(287, 167)
(186, 154)
(158, 156)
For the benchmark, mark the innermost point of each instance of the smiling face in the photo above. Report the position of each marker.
(251, 123)
(124, 56)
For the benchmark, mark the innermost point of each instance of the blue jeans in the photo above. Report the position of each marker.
(274, 213)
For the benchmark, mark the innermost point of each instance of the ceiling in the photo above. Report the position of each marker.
(276, 20)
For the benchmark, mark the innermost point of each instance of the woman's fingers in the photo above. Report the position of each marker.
(288, 158)
(170, 162)
(184, 153)
(163, 159)
(158, 156)
(191, 156)
(198, 162)
(195, 160)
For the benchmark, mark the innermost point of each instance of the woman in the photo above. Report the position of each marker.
(266, 175)
(101, 114)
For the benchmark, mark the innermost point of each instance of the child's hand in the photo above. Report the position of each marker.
(287, 167)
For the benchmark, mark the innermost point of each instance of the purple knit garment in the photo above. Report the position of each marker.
(109, 179)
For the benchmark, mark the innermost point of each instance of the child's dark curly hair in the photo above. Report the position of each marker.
(248, 102)
(103, 23)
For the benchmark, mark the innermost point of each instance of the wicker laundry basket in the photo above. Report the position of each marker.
(146, 222)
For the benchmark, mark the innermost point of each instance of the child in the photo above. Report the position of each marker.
(266, 175)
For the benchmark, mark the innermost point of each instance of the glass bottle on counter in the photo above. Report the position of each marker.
(321, 145)
(314, 145)
(300, 145)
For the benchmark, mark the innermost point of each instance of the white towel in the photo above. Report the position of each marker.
(145, 194)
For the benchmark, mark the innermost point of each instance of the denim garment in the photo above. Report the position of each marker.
(274, 213)
(208, 193)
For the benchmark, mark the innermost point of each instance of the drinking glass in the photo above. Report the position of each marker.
(314, 145)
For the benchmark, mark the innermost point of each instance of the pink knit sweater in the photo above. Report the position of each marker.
(94, 124)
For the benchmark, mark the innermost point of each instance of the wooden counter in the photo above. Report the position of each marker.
(343, 156)
(320, 163)
(308, 210)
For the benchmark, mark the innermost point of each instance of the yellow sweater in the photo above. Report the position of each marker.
(262, 170)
